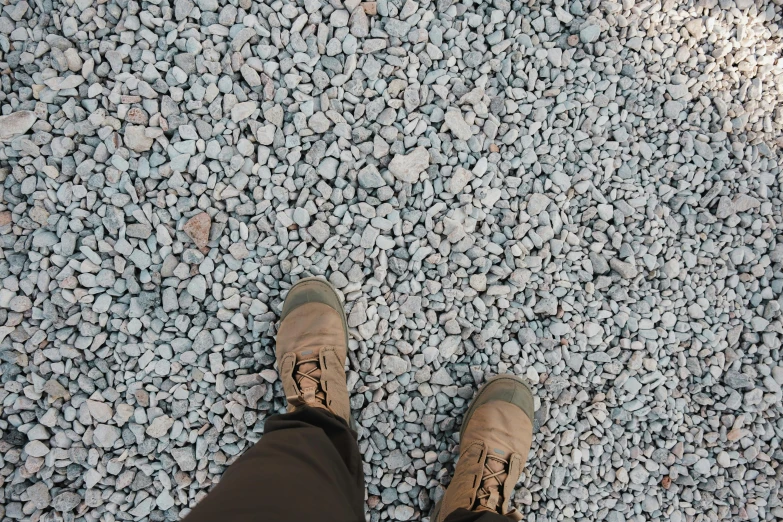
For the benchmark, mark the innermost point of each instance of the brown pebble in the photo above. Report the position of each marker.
(142, 398)
(183, 479)
(137, 116)
(573, 40)
(734, 435)
(371, 8)
(55, 390)
(197, 228)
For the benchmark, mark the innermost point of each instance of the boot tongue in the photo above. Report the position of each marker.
(308, 378)
(490, 493)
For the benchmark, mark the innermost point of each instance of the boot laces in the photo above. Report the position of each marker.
(307, 374)
(490, 493)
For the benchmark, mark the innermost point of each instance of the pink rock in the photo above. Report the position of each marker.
(197, 228)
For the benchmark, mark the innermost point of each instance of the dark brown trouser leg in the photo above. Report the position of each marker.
(463, 515)
(307, 466)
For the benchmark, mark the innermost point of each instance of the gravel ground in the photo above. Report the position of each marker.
(584, 193)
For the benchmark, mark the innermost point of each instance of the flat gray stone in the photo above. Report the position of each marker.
(15, 124)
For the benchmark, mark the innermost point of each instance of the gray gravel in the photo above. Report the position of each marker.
(585, 193)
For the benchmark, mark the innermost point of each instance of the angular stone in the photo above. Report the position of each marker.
(164, 500)
(20, 303)
(319, 123)
(359, 23)
(537, 204)
(243, 110)
(275, 115)
(589, 33)
(136, 139)
(672, 109)
(36, 448)
(39, 495)
(66, 501)
(100, 411)
(159, 426)
(339, 18)
(203, 342)
(185, 458)
(457, 125)
(737, 380)
(61, 83)
(105, 436)
(197, 287)
(55, 390)
(320, 231)
(250, 76)
(626, 270)
(266, 134)
(459, 180)
(396, 365)
(704, 150)
(741, 203)
(197, 228)
(408, 167)
(15, 124)
(370, 178)
(182, 9)
(600, 265)
(403, 512)
(677, 91)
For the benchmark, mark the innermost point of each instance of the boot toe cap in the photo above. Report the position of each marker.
(311, 290)
(505, 388)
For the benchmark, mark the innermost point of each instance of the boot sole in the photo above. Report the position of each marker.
(435, 511)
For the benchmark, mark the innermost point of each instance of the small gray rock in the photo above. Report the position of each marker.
(185, 458)
(589, 33)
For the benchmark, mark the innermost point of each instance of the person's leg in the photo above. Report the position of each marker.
(307, 466)
(494, 443)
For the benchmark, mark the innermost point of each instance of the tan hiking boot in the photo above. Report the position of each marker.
(312, 344)
(494, 442)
